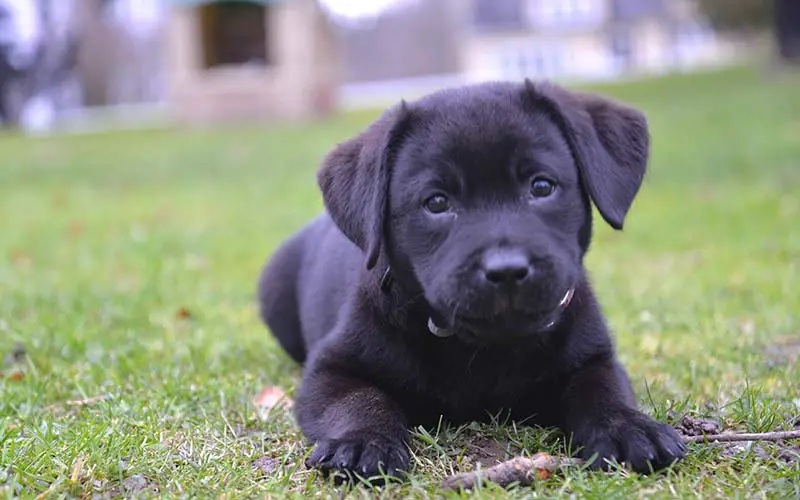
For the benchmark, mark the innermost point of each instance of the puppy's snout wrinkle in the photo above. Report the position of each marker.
(506, 266)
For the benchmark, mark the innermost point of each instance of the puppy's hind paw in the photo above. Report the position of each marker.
(368, 456)
(631, 439)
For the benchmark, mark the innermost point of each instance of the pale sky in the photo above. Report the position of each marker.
(141, 16)
(22, 30)
(353, 10)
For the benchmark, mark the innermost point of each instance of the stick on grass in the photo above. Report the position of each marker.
(541, 466)
(522, 470)
(752, 436)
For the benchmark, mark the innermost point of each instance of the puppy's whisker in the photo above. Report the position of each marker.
(454, 314)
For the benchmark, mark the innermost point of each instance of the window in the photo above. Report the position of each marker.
(692, 34)
(552, 13)
(234, 33)
(689, 39)
(532, 62)
(622, 49)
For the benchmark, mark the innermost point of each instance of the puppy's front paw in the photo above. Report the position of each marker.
(630, 438)
(367, 455)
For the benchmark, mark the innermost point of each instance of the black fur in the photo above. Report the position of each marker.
(373, 368)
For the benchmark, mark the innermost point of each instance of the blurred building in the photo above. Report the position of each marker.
(422, 38)
(185, 60)
(37, 58)
(588, 39)
(437, 43)
(215, 60)
(260, 59)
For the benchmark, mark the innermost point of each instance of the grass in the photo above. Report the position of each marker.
(128, 265)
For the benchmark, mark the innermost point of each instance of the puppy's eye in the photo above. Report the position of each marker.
(437, 204)
(542, 188)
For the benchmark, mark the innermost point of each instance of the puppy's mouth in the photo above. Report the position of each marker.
(504, 323)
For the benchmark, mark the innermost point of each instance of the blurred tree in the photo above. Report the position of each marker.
(787, 29)
(748, 16)
(95, 56)
(739, 15)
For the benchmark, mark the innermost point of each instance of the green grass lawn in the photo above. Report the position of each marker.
(127, 273)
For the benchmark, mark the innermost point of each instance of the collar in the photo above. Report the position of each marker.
(387, 280)
(566, 300)
(564, 304)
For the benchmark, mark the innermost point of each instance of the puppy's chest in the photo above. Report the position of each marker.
(469, 384)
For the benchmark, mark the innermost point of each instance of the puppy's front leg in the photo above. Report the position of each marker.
(356, 427)
(601, 413)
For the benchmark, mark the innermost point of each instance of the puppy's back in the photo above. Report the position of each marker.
(277, 295)
(305, 283)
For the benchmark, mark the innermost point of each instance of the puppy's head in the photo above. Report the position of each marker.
(480, 197)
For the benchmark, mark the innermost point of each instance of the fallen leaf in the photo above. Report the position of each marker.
(75, 228)
(14, 363)
(183, 313)
(269, 398)
(60, 200)
(20, 257)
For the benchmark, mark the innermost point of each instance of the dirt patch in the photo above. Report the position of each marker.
(766, 452)
(486, 452)
(790, 454)
(693, 426)
(139, 484)
(267, 465)
(737, 449)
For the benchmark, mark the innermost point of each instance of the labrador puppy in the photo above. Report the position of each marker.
(446, 278)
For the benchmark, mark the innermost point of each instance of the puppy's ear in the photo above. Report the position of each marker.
(355, 178)
(609, 141)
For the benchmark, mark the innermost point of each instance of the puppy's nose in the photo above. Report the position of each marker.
(505, 266)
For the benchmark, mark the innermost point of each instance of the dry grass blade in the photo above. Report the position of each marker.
(525, 471)
(81, 402)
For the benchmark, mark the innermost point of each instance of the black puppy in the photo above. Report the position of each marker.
(447, 278)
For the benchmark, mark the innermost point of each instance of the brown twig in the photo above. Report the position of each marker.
(522, 470)
(541, 466)
(753, 436)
